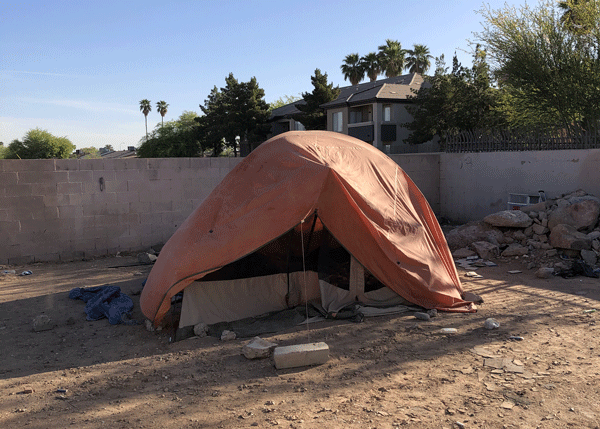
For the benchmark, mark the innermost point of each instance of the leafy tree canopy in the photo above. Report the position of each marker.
(39, 144)
(283, 101)
(463, 99)
(177, 138)
(312, 116)
(89, 152)
(547, 69)
(237, 110)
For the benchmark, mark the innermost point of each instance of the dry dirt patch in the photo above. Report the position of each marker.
(390, 371)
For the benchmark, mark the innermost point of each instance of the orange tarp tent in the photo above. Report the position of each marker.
(360, 195)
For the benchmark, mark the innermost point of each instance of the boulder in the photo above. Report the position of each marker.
(567, 237)
(515, 249)
(258, 348)
(539, 207)
(485, 250)
(594, 235)
(466, 234)
(589, 256)
(583, 215)
(509, 218)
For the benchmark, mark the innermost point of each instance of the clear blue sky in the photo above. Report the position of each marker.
(79, 68)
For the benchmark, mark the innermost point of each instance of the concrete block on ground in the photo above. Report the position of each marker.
(301, 355)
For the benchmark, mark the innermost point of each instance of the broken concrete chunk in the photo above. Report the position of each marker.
(486, 250)
(515, 249)
(463, 252)
(544, 273)
(567, 237)
(258, 348)
(509, 218)
(42, 323)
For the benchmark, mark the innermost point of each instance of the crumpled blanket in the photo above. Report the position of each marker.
(104, 301)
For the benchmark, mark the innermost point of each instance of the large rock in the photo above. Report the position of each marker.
(515, 249)
(567, 237)
(463, 252)
(485, 250)
(583, 214)
(464, 235)
(509, 218)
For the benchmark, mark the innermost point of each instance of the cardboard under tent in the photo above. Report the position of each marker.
(308, 215)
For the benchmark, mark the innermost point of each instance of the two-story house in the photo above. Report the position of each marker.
(373, 112)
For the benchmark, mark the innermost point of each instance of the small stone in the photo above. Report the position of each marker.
(589, 256)
(485, 250)
(228, 335)
(42, 323)
(422, 316)
(551, 253)
(491, 324)
(146, 258)
(432, 313)
(544, 273)
(201, 330)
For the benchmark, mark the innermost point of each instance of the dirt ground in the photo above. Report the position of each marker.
(386, 372)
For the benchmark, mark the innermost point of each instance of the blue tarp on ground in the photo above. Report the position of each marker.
(104, 301)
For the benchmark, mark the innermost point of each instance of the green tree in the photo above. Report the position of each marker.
(463, 99)
(236, 111)
(283, 101)
(392, 58)
(418, 60)
(575, 16)
(312, 116)
(2, 150)
(177, 138)
(40, 144)
(547, 69)
(371, 65)
(145, 108)
(353, 69)
(161, 107)
(89, 152)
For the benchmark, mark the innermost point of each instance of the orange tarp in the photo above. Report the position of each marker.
(361, 196)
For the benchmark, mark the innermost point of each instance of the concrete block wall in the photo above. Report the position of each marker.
(424, 170)
(58, 210)
(473, 185)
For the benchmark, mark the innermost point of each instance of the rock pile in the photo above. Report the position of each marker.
(567, 226)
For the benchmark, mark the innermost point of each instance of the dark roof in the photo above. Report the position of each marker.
(393, 88)
(286, 111)
(396, 88)
(119, 154)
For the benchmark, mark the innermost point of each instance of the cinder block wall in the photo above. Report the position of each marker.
(424, 170)
(473, 185)
(56, 210)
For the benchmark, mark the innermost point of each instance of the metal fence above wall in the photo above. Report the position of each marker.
(495, 141)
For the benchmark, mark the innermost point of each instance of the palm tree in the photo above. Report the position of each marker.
(352, 69)
(418, 59)
(370, 64)
(392, 58)
(161, 107)
(146, 108)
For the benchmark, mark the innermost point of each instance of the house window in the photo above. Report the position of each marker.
(387, 112)
(299, 127)
(337, 122)
(355, 117)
